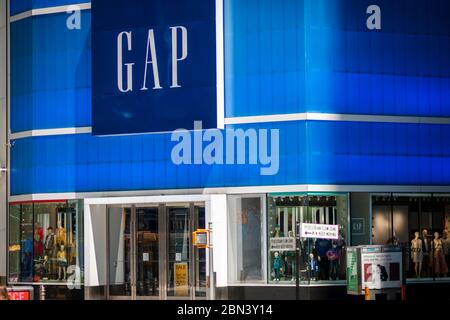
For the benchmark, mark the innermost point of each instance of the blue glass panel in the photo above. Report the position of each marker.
(51, 73)
(313, 152)
(318, 56)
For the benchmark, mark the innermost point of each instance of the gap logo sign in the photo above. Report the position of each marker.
(157, 65)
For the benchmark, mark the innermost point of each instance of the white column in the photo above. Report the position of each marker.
(95, 230)
(220, 241)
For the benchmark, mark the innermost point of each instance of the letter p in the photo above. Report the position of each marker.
(184, 52)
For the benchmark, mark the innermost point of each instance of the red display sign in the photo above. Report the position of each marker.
(19, 295)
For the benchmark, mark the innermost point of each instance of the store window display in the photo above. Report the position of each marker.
(49, 246)
(416, 222)
(320, 259)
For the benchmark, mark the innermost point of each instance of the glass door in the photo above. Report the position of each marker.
(151, 255)
(147, 253)
(179, 267)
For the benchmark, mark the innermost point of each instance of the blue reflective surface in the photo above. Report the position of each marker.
(314, 152)
(50, 73)
(18, 6)
(281, 57)
(295, 56)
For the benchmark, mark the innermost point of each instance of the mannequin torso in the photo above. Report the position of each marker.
(416, 250)
(437, 244)
(60, 235)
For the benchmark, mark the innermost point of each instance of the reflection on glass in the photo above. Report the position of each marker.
(26, 239)
(178, 252)
(120, 251)
(14, 243)
(147, 239)
(246, 238)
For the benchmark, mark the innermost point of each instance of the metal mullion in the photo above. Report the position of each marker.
(133, 252)
(433, 267)
(193, 218)
(162, 257)
(108, 254)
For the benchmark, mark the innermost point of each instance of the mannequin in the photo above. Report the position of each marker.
(60, 234)
(333, 256)
(446, 246)
(426, 248)
(417, 254)
(49, 243)
(38, 240)
(313, 267)
(277, 266)
(322, 246)
(49, 249)
(62, 262)
(46, 268)
(278, 233)
(440, 267)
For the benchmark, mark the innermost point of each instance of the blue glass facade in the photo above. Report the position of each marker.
(18, 6)
(50, 73)
(281, 57)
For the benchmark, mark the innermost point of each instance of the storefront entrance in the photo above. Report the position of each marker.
(150, 252)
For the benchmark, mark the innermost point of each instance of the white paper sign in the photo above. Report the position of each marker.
(146, 257)
(282, 244)
(178, 256)
(319, 231)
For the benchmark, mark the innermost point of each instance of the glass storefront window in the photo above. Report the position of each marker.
(246, 246)
(47, 239)
(14, 243)
(26, 243)
(319, 259)
(420, 223)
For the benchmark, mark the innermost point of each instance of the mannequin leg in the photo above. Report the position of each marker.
(59, 273)
(330, 272)
(64, 273)
(416, 268)
(420, 268)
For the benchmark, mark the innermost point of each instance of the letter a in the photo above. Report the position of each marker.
(74, 21)
(151, 48)
(374, 21)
